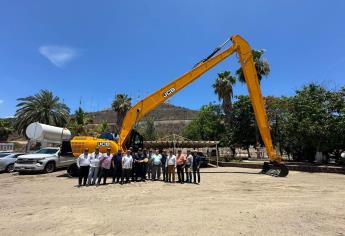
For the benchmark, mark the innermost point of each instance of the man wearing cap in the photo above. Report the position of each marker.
(83, 163)
(94, 166)
(127, 162)
(105, 166)
(117, 166)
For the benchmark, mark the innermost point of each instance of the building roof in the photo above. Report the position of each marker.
(179, 144)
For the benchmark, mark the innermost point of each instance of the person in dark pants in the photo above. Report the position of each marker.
(83, 163)
(149, 165)
(164, 168)
(196, 166)
(188, 167)
(180, 162)
(140, 165)
(105, 166)
(117, 166)
(135, 167)
(145, 164)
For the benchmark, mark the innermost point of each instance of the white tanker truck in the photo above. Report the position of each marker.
(41, 136)
(50, 147)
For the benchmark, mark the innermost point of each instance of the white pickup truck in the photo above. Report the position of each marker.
(46, 159)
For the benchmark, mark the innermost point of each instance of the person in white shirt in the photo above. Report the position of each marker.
(94, 167)
(127, 162)
(83, 163)
(170, 164)
(188, 167)
(156, 165)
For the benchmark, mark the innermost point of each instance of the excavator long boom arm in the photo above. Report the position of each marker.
(244, 51)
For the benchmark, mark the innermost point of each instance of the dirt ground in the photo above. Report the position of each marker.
(229, 201)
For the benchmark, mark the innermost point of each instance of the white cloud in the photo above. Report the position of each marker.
(58, 55)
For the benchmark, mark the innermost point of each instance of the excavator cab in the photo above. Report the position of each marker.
(135, 140)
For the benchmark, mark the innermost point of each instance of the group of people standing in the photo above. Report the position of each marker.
(142, 165)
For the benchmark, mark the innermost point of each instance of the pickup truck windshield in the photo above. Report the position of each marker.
(47, 151)
(4, 154)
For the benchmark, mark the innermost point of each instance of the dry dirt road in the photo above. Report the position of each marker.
(229, 201)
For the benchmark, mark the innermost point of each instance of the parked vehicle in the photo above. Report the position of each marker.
(46, 159)
(7, 161)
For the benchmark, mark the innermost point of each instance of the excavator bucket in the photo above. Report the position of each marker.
(275, 169)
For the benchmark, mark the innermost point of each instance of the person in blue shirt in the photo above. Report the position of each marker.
(117, 166)
(196, 167)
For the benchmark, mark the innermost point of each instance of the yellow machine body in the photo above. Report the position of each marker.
(79, 143)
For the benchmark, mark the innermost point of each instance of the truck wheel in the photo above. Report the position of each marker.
(50, 167)
(73, 170)
(10, 168)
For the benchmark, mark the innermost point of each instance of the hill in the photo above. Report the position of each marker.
(168, 118)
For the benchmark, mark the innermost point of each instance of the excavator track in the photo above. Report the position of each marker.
(275, 169)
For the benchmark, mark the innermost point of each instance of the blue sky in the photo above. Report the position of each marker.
(90, 50)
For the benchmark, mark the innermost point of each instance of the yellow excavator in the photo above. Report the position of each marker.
(128, 137)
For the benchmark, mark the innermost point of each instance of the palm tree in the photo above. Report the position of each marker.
(42, 107)
(261, 65)
(79, 121)
(121, 104)
(223, 87)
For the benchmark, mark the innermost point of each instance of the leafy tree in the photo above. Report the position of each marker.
(148, 130)
(5, 129)
(223, 87)
(278, 114)
(103, 127)
(121, 105)
(207, 125)
(79, 121)
(307, 125)
(42, 107)
(242, 133)
(261, 65)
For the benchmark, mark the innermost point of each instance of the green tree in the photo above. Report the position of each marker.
(223, 87)
(5, 129)
(310, 112)
(261, 65)
(336, 124)
(103, 127)
(207, 125)
(79, 121)
(42, 107)
(278, 113)
(148, 129)
(242, 133)
(121, 105)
